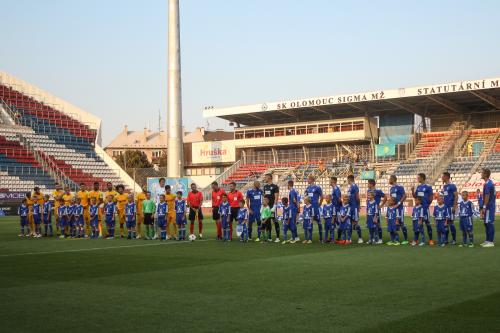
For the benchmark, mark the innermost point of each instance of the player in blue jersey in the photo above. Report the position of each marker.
(161, 217)
(294, 204)
(289, 224)
(94, 218)
(130, 217)
(180, 216)
(354, 202)
(417, 218)
(397, 192)
(488, 207)
(337, 202)
(392, 216)
(344, 217)
(23, 212)
(451, 202)
(328, 213)
(70, 218)
(225, 216)
(372, 217)
(47, 217)
(380, 199)
(479, 197)
(315, 194)
(37, 217)
(441, 219)
(465, 211)
(242, 220)
(79, 219)
(62, 217)
(109, 213)
(308, 213)
(425, 193)
(254, 203)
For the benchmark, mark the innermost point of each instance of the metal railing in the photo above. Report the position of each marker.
(207, 191)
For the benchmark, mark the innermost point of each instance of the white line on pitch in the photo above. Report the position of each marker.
(92, 249)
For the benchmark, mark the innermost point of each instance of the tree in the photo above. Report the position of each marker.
(133, 159)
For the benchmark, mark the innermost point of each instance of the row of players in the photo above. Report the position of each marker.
(71, 220)
(314, 195)
(347, 209)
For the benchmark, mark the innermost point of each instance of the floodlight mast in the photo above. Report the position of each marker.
(174, 107)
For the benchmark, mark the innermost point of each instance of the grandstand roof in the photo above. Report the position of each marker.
(433, 101)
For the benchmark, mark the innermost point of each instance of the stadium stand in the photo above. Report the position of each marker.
(57, 145)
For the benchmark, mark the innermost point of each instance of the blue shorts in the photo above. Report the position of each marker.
(162, 222)
(37, 219)
(131, 224)
(110, 221)
(355, 214)
(94, 223)
(307, 224)
(489, 215)
(417, 227)
(426, 217)
(345, 225)
(392, 226)
(370, 222)
(440, 226)
(255, 217)
(329, 224)
(61, 222)
(451, 216)
(180, 219)
(466, 224)
(24, 221)
(70, 222)
(316, 215)
(225, 222)
(47, 219)
(79, 221)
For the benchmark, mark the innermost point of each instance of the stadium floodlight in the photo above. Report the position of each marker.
(174, 107)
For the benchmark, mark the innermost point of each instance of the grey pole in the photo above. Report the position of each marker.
(174, 108)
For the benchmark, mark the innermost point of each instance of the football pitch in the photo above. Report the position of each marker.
(208, 286)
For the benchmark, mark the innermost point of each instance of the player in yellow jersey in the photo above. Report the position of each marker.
(67, 196)
(97, 195)
(140, 215)
(110, 191)
(171, 221)
(83, 195)
(57, 195)
(29, 203)
(121, 201)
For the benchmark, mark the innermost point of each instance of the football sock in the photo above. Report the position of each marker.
(429, 231)
(258, 231)
(349, 233)
(191, 228)
(379, 229)
(200, 227)
(358, 230)
(122, 230)
(320, 230)
(339, 234)
(277, 228)
(393, 236)
(453, 230)
(405, 232)
(471, 237)
(464, 238)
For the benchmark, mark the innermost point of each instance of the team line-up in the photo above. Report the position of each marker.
(336, 215)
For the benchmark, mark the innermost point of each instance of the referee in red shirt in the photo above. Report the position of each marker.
(234, 197)
(217, 193)
(194, 201)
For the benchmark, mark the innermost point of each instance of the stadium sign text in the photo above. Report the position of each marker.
(386, 94)
(332, 100)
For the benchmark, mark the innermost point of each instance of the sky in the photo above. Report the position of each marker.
(109, 56)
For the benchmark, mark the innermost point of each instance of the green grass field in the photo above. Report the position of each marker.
(207, 286)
